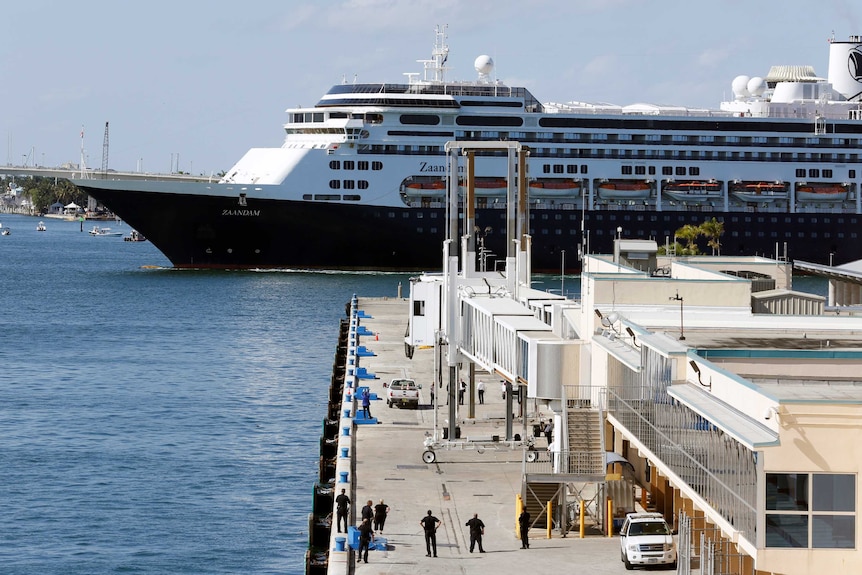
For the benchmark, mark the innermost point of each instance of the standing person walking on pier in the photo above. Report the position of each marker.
(477, 529)
(430, 524)
(381, 510)
(341, 502)
(480, 388)
(366, 536)
(368, 511)
(524, 526)
(366, 404)
(462, 388)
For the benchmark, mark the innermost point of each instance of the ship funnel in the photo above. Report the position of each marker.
(845, 68)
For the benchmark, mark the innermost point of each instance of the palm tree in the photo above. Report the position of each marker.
(689, 234)
(713, 230)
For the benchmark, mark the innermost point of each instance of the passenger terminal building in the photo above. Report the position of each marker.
(735, 401)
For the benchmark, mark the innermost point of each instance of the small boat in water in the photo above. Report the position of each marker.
(135, 236)
(99, 231)
(6, 231)
(40, 227)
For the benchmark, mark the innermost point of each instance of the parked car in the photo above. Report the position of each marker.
(403, 392)
(646, 539)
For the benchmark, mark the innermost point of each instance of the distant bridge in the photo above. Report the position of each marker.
(68, 174)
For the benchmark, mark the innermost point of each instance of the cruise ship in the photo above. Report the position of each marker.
(360, 181)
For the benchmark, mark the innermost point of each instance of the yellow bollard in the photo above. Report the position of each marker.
(610, 518)
(519, 507)
(550, 520)
(582, 522)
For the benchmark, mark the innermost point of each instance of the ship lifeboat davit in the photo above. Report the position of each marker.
(821, 192)
(623, 190)
(761, 192)
(692, 190)
(555, 188)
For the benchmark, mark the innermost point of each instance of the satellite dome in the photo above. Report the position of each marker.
(484, 64)
(740, 86)
(756, 86)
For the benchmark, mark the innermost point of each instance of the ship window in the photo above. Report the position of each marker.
(306, 196)
(349, 184)
(362, 165)
(362, 184)
(827, 173)
(558, 169)
(349, 164)
(626, 170)
(800, 172)
(852, 173)
(680, 171)
(694, 171)
(583, 168)
(558, 232)
(390, 214)
(571, 169)
(666, 171)
(652, 170)
(420, 119)
(813, 173)
(327, 197)
(351, 197)
(335, 165)
(376, 165)
(335, 184)
(419, 230)
(546, 168)
(405, 215)
(640, 170)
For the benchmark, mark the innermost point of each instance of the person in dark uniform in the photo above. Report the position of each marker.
(381, 510)
(477, 529)
(367, 512)
(430, 524)
(342, 502)
(366, 536)
(524, 526)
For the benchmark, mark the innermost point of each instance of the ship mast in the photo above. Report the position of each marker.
(435, 68)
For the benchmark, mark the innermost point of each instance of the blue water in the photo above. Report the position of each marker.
(156, 420)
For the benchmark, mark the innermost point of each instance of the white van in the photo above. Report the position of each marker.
(646, 539)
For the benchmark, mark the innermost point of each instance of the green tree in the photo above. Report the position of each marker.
(712, 230)
(688, 234)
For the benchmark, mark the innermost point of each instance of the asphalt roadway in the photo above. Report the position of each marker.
(461, 482)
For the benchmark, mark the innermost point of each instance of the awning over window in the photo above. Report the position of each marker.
(725, 417)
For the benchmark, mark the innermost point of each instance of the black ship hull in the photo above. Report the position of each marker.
(197, 231)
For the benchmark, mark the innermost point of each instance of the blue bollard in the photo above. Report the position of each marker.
(345, 431)
(339, 543)
(345, 451)
(343, 475)
(346, 413)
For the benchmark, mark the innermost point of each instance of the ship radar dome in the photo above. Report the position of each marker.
(740, 87)
(484, 64)
(756, 86)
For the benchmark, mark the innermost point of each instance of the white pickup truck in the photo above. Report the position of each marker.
(404, 392)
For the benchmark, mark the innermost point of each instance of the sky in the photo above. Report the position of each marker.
(192, 85)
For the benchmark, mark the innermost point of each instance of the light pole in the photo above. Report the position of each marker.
(679, 298)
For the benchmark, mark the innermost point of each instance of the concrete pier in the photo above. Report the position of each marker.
(384, 461)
